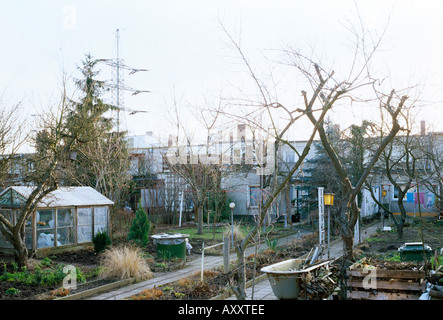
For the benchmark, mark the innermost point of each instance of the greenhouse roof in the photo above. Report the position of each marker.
(62, 197)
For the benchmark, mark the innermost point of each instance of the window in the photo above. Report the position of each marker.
(254, 196)
(395, 194)
(100, 219)
(65, 226)
(289, 156)
(45, 228)
(84, 225)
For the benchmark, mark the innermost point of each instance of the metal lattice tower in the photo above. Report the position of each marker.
(117, 85)
(118, 80)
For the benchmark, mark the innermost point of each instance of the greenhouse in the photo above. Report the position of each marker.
(65, 218)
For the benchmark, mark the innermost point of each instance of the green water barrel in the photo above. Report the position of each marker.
(414, 251)
(171, 246)
(168, 251)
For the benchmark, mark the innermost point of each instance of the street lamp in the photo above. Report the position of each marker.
(383, 193)
(232, 206)
(328, 199)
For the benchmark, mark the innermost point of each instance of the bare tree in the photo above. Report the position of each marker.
(12, 138)
(193, 161)
(357, 86)
(51, 150)
(269, 105)
(398, 163)
(430, 169)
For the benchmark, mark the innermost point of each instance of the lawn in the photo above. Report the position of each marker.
(385, 244)
(209, 232)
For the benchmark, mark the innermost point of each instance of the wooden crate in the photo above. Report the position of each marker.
(386, 285)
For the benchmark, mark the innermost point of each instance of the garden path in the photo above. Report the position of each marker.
(262, 290)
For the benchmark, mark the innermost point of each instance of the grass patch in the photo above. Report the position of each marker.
(208, 234)
(376, 239)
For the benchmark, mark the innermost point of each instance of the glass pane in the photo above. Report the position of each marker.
(3, 242)
(84, 225)
(17, 200)
(65, 217)
(84, 216)
(7, 214)
(100, 215)
(100, 219)
(5, 200)
(28, 228)
(45, 228)
(65, 236)
(18, 214)
(45, 238)
(28, 237)
(65, 226)
(98, 228)
(254, 196)
(45, 219)
(84, 234)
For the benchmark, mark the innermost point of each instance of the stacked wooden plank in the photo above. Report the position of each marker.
(375, 283)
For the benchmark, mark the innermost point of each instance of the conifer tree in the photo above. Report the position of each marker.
(140, 227)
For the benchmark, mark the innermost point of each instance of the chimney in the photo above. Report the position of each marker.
(149, 133)
(170, 140)
(423, 127)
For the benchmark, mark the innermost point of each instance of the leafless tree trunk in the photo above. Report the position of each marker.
(52, 149)
(326, 91)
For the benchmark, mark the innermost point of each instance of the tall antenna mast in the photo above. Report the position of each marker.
(117, 84)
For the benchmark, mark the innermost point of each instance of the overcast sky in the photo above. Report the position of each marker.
(182, 45)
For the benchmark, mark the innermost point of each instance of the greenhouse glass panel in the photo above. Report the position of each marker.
(28, 228)
(45, 228)
(100, 219)
(84, 225)
(6, 200)
(3, 242)
(65, 226)
(17, 199)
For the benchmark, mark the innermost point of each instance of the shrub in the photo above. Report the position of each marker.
(101, 241)
(12, 291)
(123, 262)
(140, 227)
(45, 262)
(271, 243)
(238, 234)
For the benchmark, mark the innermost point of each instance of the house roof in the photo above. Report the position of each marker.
(65, 196)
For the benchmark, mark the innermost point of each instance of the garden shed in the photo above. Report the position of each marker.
(65, 218)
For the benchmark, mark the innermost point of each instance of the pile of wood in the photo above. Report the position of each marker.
(320, 284)
(385, 280)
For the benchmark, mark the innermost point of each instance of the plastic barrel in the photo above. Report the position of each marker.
(168, 251)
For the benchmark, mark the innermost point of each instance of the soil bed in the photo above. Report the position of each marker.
(385, 244)
(381, 246)
(215, 282)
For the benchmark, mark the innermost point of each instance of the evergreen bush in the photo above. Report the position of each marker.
(101, 241)
(140, 227)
